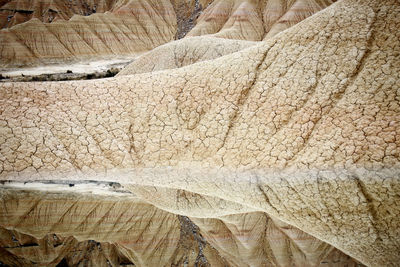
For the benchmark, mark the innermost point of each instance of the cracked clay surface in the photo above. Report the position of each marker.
(303, 128)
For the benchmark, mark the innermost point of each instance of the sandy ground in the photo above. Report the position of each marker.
(83, 187)
(81, 67)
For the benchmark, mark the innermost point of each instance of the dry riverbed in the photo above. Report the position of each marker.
(64, 72)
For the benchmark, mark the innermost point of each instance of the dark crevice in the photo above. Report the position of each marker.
(188, 228)
(25, 245)
(18, 10)
(62, 263)
(244, 95)
(369, 202)
(186, 22)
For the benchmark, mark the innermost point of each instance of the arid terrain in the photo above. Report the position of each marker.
(239, 133)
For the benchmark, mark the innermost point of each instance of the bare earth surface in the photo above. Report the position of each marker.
(83, 67)
(46, 32)
(282, 153)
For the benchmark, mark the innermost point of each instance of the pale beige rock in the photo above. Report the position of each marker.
(279, 15)
(304, 127)
(184, 52)
(254, 20)
(13, 12)
(254, 239)
(132, 27)
(18, 249)
(130, 231)
(143, 234)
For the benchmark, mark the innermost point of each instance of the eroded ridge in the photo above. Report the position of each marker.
(127, 230)
(53, 32)
(304, 127)
(184, 52)
(253, 20)
(128, 29)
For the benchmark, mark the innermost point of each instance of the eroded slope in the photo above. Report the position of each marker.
(304, 128)
(254, 20)
(60, 32)
(184, 52)
(13, 12)
(133, 27)
(130, 231)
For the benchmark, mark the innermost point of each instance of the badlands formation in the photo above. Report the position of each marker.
(55, 31)
(261, 149)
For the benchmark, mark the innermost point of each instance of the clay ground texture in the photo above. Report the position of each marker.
(278, 151)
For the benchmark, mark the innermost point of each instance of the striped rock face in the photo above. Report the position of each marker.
(286, 153)
(130, 28)
(254, 20)
(44, 32)
(128, 230)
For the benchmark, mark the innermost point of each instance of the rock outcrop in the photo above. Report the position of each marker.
(116, 228)
(254, 20)
(13, 12)
(276, 152)
(184, 52)
(129, 28)
(187, 13)
(18, 249)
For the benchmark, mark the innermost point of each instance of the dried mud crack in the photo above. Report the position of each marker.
(268, 136)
